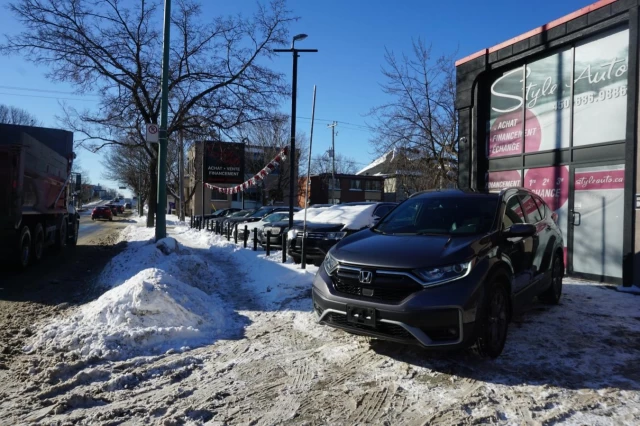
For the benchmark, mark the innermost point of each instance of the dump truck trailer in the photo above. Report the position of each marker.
(36, 210)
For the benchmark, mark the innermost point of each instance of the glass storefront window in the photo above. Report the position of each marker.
(600, 98)
(504, 129)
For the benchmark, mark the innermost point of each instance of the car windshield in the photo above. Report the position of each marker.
(261, 213)
(441, 216)
(241, 213)
(275, 217)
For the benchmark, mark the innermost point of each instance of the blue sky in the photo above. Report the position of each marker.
(351, 37)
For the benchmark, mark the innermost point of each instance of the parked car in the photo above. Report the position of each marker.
(101, 212)
(234, 215)
(114, 208)
(276, 216)
(127, 206)
(277, 229)
(330, 226)
(444, 269)
(256, 216)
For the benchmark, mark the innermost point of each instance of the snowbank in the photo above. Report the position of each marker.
(311, 212)
(151, 311)
(352, 217)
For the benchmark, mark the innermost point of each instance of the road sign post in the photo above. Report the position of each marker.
(152, 133)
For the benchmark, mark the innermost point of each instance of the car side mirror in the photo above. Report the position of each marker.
(520, 230)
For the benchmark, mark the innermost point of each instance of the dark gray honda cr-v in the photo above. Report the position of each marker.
(444, 269)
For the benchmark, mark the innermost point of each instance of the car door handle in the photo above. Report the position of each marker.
(577, 218)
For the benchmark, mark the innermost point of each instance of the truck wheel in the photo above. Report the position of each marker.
(38, 243)
(25, 247)
(74, 241)
(61, 240)
(493, 321)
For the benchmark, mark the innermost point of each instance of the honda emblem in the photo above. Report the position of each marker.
(366, 277)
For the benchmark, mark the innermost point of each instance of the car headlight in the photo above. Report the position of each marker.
(330, 263)
(275, 230)
(291, 235)
(443, 274)
(335, 235)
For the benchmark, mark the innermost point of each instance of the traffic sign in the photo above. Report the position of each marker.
(152, 133)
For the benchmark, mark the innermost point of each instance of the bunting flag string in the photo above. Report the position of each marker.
(262, 174)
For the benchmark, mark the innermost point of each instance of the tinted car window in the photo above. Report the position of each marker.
(382, 210)
(513, 213)
(542, 206)
(441, 216)
(531, 209)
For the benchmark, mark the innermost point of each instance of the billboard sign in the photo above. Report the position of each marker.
(531, 106)
(223, 162)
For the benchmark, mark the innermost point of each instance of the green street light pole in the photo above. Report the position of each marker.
(294, 94)
(161, 205)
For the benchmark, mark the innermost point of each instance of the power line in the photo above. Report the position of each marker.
(46, 91)
(48, 97)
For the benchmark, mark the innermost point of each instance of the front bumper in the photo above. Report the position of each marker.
(442, 316)
(314, 248)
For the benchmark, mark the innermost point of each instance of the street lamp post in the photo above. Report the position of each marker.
(294, 87)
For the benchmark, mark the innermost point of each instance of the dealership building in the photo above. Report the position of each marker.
(556, 110)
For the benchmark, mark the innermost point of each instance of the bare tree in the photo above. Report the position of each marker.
(419, 122)
(14, 115)
(217, 69)
(265, 139)
(126, 164)
(322, 163)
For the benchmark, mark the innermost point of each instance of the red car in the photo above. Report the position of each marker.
(101, 212)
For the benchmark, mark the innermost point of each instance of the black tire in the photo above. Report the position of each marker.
(24, 247)
(554, 292)
(493, 321)
(74, 241)
(61, 235)
(110, 219)
(296, 259)
(317, 262)
(38, 243)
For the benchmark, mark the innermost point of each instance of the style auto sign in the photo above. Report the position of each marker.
(531, 106)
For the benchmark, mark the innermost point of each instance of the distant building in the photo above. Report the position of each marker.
(273, 190)
(346, 189)
(404, 172)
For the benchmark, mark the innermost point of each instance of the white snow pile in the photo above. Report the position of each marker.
(151, 312)
(312, 212)
(161, 297)
(167, 245)
(352, 217)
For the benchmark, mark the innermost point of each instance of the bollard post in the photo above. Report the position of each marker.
(255, 239)
(268, 243)
(228, 232)
(199, 224)
(284, 248)
(191, 221)
(303, 260)
(216, 224)
(246, 235)
(206, 224)
(235, 235)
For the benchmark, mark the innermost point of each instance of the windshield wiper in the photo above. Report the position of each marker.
(439, 234)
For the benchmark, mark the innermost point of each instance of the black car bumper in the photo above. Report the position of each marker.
(314, 248)
(275, 241)
(437, 317)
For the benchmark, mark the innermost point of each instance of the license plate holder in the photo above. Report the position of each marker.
(361, 315)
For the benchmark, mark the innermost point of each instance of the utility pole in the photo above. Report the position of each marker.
(161, 204)
(333, 154)
(181, 176)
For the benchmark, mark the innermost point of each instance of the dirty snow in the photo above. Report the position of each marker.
(267, 361)
(352, 217)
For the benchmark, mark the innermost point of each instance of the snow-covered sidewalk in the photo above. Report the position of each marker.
(198, 330)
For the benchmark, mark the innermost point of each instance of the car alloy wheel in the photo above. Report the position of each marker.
(554, 292)
(493, 321)
(497, 321)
